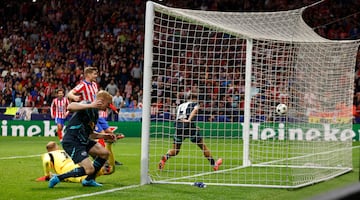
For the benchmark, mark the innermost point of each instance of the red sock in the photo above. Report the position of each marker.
(102, 142)
(59, 133)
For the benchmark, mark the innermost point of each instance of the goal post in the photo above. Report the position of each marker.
(240, 66)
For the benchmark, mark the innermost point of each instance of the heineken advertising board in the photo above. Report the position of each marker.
(278, 131)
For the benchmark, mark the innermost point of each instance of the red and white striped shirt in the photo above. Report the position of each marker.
(103, 114)
(88, 92)
(58, 107)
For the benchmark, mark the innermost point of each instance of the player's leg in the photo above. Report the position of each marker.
(101, 155)
(60, 125)
(171, 152)
(199, 141)
(79, 155)
(106, 128)
(178, 139)
(109, 166)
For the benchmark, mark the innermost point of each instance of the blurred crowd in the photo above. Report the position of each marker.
(45, 44)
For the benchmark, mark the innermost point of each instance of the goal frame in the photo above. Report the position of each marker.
(146, 119)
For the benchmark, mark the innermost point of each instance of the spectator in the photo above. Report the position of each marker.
(3, 105)
(112, 88)
(128, 91)
(18, 116)
(118, 101)
(19, 101)
(136, 73)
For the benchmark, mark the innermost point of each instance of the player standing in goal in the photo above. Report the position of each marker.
(185, 128)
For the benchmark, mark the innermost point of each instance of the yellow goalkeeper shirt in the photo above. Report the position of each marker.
(59, 162)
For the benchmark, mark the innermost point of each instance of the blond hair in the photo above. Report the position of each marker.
(102, 94)
(51, 146)
(89, 70)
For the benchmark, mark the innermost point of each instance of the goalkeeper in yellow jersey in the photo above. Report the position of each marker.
(58, 161)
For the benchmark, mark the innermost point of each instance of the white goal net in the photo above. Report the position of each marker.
(241, 66)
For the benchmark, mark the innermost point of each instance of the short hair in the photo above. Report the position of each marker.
(51, 146)
(104, 95)
(89, 70)
(192, 97)
(60, 89)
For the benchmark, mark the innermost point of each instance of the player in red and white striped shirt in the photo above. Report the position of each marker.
(58, 110)
(86, 90)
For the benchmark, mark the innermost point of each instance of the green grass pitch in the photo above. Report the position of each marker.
(20, 165)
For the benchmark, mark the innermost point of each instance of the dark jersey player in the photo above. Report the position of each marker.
(78, 141)
(185, 128)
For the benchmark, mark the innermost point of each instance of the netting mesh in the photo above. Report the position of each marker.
(204, 53)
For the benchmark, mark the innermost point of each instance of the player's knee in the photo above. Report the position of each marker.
(89, 169)
(105, 154)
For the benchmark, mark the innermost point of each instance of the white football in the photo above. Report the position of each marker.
(281, 109)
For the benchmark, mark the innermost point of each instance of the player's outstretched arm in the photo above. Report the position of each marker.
(75, 106)
(46, 162)
(106, 136)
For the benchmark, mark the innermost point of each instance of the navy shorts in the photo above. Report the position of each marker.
(77, 150)
(186, 130)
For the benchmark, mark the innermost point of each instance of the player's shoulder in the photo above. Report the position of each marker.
(193, 103)
(79, 86)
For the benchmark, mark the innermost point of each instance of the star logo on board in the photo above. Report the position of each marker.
(113, 128)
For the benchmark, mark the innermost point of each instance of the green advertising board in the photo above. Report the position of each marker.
(326, 132)
(133, 129)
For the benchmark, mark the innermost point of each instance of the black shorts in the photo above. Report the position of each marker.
(77, 150)
(186, 130)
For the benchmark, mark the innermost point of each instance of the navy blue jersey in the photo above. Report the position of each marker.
(81, 124)
(184, 110)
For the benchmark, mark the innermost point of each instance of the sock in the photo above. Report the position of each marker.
(98, 163)
(212, 161)
(59, 133)
(165, 157)
(80, 171)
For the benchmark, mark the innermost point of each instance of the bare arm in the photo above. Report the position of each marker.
(192, 114)
(46, 164)
(52, 109)
(105, 136)
(71, 95)
(75, 106)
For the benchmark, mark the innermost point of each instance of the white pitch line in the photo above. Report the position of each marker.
(31, 156)
(101, 192)
(16, 157)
